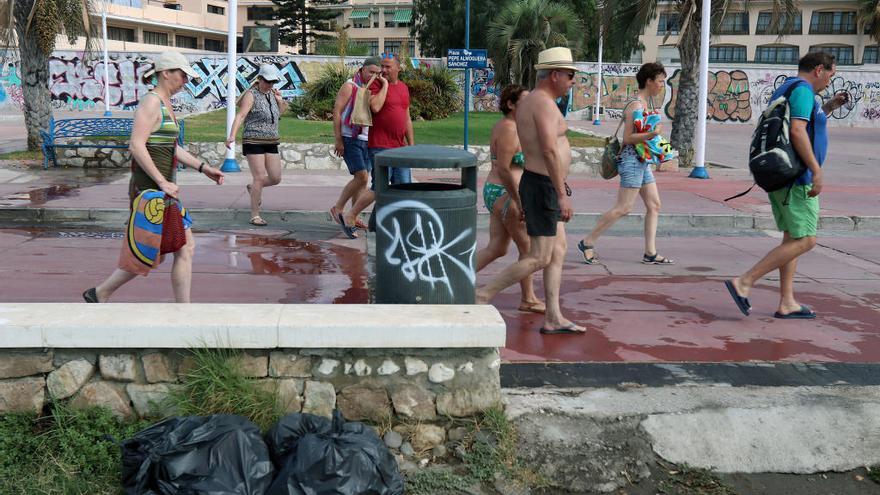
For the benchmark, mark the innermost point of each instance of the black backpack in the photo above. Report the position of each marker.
(773, 161)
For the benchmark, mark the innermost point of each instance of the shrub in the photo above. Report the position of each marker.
(320, 94)
(434, 93)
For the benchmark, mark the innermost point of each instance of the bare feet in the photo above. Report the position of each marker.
(532, 307)
(741, 289)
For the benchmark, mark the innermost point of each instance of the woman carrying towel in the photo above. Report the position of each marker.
(155, 153)
(260, 109)
(501, 195)
(642, 147)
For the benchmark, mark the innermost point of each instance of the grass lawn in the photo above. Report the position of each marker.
(211, 127)
(22, 155)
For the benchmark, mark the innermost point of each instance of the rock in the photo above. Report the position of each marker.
(291, 156)
(510, 487)
(407, 449)
(69, 153)
(75, 162)
(15, 364)
(414, 402)
(23, 395)
(440, 373)
(361, 368)
(393, 440)
(320, 163)
(327, 366)
(414, 366)
(253, 366)
(118, 367)
(457, 434)
(319, 399)
(157, 368)
(486, 438)
(87, 152)
(117, 157)
(186, 366)
(359, 402)
(469, 401)
(438, 451)
(388, 367)
(426, 437)
(102, 394)
(290, 398)
(150, 401)
(467, 367)
(69, 378)
(289, 365)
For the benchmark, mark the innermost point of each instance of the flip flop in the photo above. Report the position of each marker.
(536, 307)
(350, 232)
(805, 313)
(258, 221)
(741, 302)
(583, 249)
(360, 224)
(334, 214)
(91, 295)
(563, 330)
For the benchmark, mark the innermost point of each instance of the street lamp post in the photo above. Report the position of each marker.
(467, 72)
(229, 164)
(107, 112)
(596, 120)
(699, 171)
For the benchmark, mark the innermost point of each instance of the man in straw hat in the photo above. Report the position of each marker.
(544, 194)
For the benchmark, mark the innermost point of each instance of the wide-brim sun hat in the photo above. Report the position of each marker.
(555, 58)
(171, 60)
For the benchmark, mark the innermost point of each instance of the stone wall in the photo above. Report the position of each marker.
(420, 386)
(293, 156)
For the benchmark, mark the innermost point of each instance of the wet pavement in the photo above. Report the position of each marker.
(633, 312)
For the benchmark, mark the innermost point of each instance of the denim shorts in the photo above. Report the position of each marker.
(396, 175)
(356, 156)
(633, 173)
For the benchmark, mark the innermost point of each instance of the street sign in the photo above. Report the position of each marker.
(464, 58)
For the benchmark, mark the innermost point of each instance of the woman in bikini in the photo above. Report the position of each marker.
(501, 195)
(260, 108)
(155, 153)
(642, 148)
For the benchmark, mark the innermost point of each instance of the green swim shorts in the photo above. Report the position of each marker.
(800, 216)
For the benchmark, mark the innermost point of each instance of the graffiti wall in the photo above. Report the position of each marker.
(11, 97)
(736, 94)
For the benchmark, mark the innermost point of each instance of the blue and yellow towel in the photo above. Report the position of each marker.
(143, 234)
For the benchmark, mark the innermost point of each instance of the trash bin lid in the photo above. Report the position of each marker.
(426, 156)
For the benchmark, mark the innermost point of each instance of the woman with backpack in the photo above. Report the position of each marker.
(642, 147)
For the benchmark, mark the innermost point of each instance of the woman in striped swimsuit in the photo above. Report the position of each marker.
(260, 109)
(155, 153)
(501, 196)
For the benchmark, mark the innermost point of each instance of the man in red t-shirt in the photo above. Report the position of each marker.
(392, 128)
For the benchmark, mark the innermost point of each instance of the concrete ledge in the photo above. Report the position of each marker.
(249, 326)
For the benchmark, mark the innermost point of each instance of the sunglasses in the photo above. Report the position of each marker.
(387, 55)
(569, 74)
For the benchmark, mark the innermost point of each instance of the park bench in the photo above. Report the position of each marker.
(87, 133)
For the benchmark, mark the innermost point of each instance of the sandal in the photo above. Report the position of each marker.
(360, 224)
(258, 221)
(334, 214)
(656, 259)
(91, 295)
(350, 232)
(583, 249)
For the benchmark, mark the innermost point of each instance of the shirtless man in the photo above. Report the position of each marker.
(543, 191)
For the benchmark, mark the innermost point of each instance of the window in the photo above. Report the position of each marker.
(843, 55)
(668, 54)
(215, 45)
(764, 27)
(216, 9)
(371, 44)
(360, 18)
(394, 45)
(777, 54)
(734, 23)
(870, 56)
(389, 18)
(153, 38)
(186, 42)
(120, 34)
(127, 3)
(668, 24)
(727, 53)
(172, 6)
(260, 13)
(833, 23)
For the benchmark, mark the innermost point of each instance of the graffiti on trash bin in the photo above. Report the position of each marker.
(423, 253)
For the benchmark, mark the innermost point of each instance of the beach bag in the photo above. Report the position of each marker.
(361, 113)
(173, 233)
(611, 154)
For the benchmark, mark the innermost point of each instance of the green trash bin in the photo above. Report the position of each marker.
(426, 232)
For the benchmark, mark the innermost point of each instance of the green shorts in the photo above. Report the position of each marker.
(800, 216)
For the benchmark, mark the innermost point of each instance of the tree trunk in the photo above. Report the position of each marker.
(34, 78)
(687, 102)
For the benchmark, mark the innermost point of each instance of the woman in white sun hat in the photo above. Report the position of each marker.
(155, 153)
(260, 108)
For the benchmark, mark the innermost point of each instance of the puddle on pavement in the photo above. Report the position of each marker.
(41, 196)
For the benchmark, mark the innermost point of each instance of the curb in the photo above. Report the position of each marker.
(52, 216)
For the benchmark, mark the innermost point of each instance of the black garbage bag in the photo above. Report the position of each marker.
(217, 455)
(315, 456)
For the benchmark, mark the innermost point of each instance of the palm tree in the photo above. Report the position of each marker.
(33, 25)
(521, 30)
(869, 16)
(640, 12)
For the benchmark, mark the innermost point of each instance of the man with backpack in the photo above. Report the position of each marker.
(795, 205)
